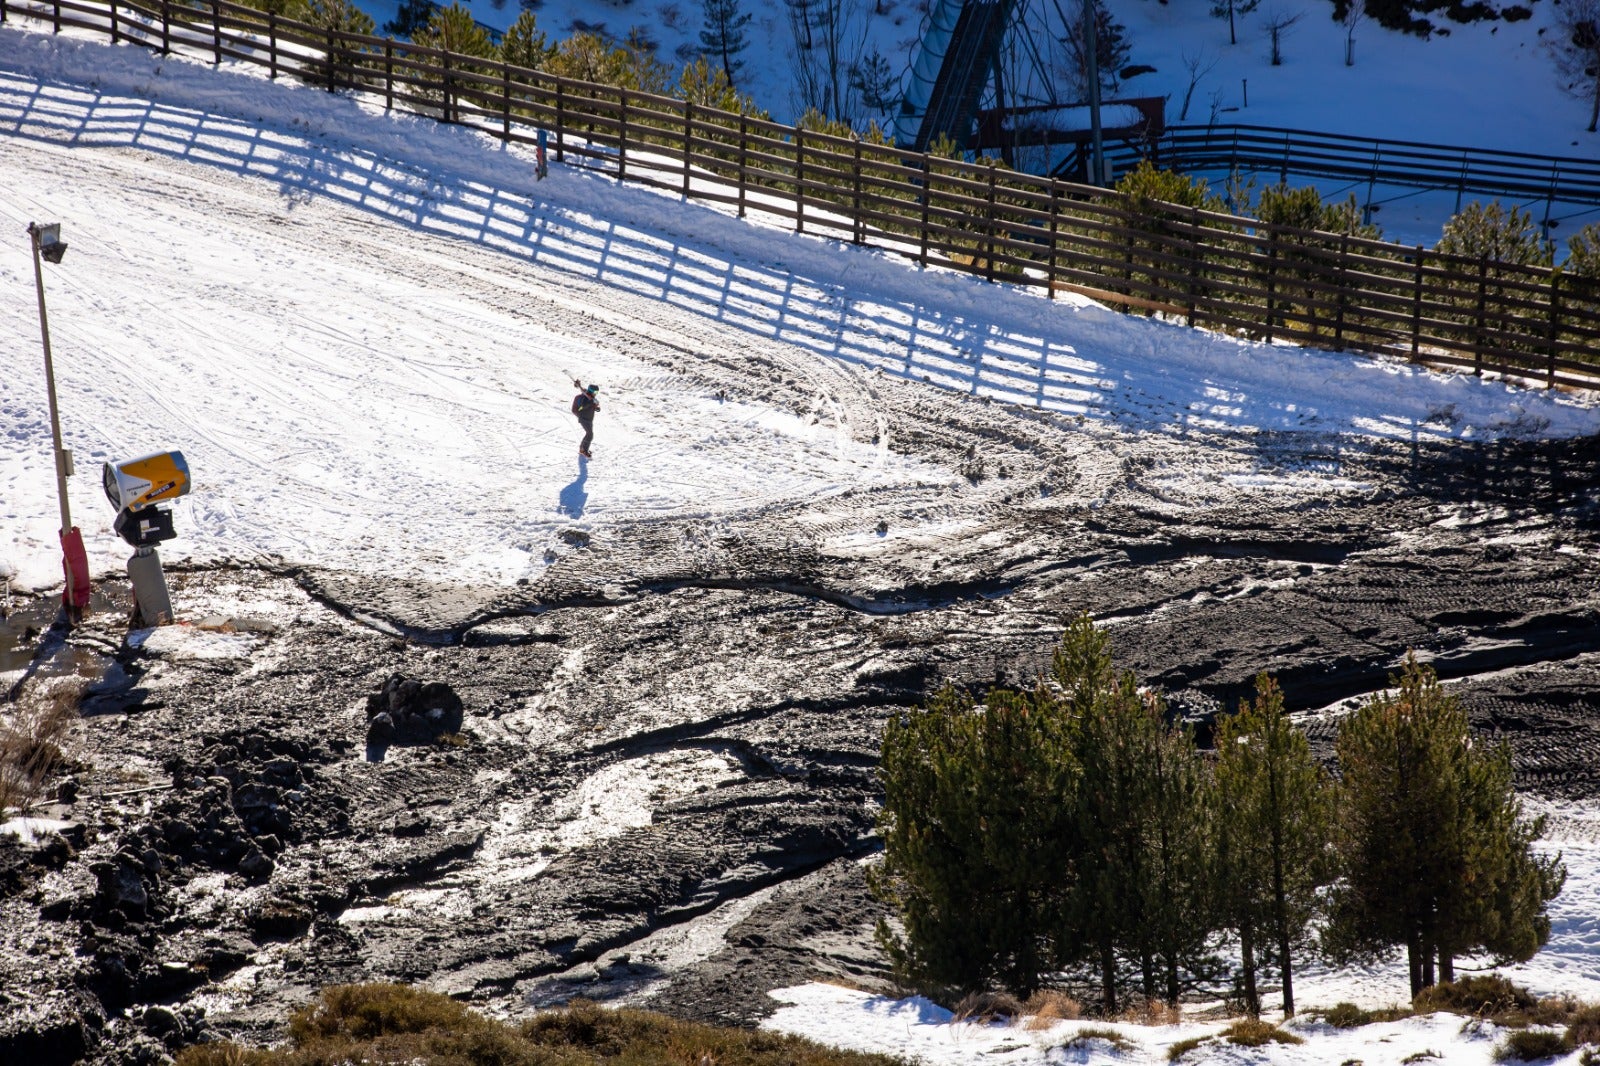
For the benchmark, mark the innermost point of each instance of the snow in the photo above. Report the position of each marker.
(339, 316)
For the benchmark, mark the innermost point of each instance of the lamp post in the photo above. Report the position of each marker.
(48, 245)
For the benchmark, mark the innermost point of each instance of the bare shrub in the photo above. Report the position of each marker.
(1153, 1012)
(31, 735)
(987, 1007)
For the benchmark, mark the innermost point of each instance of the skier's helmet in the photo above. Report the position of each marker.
(592, 389)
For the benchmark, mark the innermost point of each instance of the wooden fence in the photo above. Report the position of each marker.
(1408, 164)
(1219, 271)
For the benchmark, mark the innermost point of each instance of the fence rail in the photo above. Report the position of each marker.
(1219, 271)
(1408, 164)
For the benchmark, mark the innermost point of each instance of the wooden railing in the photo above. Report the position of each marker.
(1406, 164)
(1208, 269)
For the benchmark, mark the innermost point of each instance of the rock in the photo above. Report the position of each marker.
(380, 730)
(256, 866)
(159, 1020)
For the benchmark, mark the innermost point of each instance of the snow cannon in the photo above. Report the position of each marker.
(135, 487)
(136, 483)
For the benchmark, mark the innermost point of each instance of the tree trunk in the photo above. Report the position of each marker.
(1147, 972)
(1414, 964)
(1247, 964)
(1108, 980)
(1447, 966)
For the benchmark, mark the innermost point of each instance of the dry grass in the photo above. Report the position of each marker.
(1349, 1016)
(988, 1007)
(31, 735)
(1046, 1008)
(385, 1023)
(1531, 1045)
(1253, 1032)
(1084, 1037)
(1152, 1012)
(1583, 1026)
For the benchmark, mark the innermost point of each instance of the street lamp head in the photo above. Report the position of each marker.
(48, 238)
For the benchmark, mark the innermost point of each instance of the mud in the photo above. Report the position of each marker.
(662, 788)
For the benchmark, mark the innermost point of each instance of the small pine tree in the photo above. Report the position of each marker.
(1501, 235)
(453, 29)
(340, 15)
(973, 823)
(873, 80)
(1434, 852)
(1275, 824)
(724, 33)
(1304, 208)
(411, 16)
(524, 44)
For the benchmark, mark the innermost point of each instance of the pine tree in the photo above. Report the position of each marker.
(1500, 235)
(1275, 823)
(524, 44)
(339, 15)
(974, 828)
(724, 34)
(411, 16)
(453, 29)
(1435, 853)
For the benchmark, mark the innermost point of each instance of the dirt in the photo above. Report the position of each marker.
(662, 787)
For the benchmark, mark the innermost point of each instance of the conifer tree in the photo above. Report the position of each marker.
(411, 16)
(1275, 823)
(524, 44)
(724, 33)
(1501, 235)
(1435, 853)
(453, 29)
(975, 830)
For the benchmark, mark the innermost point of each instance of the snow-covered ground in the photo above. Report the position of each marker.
(254, 278)
(271, 279)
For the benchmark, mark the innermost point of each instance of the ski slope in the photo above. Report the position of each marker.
(360, 329)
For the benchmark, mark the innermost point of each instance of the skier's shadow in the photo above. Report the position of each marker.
(574, 496)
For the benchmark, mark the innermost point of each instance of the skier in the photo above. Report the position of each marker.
(584, 405)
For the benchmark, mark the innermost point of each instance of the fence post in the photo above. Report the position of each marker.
(1555, 328)
(216, 34)
(272, 46)
(561, 117)
(622, 135)
(388, 74)
(166, 26)
(688, 126)
(58, 16)
(860, 227)
(1272, 276)
(505, 103)
(332, 73)
(744, 148)
(1196, 261)
(1055, 226)
(992, 223)
(446, 83)
(799, 180)
(927, 197)
(1344, 290)
(113, 7)
(1416, 310)
(1483, 312)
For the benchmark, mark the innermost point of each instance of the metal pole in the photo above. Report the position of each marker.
(55, 419)
(50, 384)
(1091, 31)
